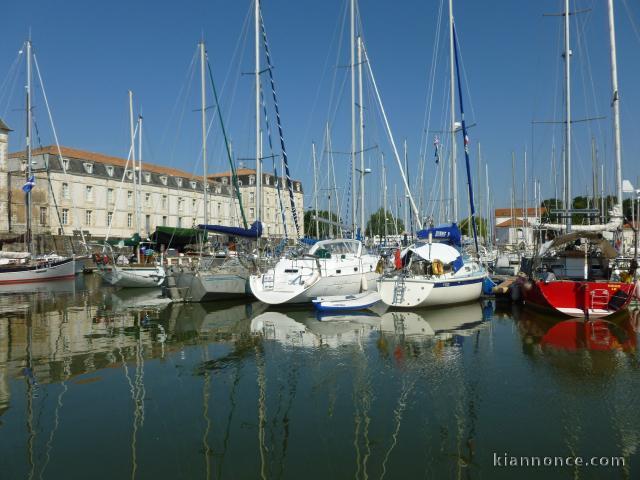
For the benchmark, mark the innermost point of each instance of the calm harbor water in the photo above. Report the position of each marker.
(96, 383)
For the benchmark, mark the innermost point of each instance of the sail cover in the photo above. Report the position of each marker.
(447, 233)
(254, 232)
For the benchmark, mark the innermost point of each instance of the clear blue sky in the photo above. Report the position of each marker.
(91, 53)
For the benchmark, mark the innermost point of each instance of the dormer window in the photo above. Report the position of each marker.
(130, 174)
(225, 180)
(88, 167)
(163, 179)
(218, 189)
(110, 170)
(194, 184)
(239, 183)
(267, 180)
(252, 180)
(65, 164)
(147, 177)
(297, 187)
(179, 182)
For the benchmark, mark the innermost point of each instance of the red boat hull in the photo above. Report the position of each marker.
(578, 298)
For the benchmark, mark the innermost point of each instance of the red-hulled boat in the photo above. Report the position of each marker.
(571, 256)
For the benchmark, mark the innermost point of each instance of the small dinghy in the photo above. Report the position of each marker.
(335, 303)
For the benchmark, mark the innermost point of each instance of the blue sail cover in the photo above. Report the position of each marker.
(447, 233)
(254, 232)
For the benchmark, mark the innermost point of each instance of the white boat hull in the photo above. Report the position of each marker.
(347, 303)
(206, 286)
(38, 273)
(412, 292)
(132, 277)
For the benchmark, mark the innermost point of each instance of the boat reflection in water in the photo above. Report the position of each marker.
(547, 335)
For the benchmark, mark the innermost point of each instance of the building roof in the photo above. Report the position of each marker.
(100, 158)
(3, 127)
(241, 172)
(511, 223)
(519, 212)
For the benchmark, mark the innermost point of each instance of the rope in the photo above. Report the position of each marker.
(279, 124)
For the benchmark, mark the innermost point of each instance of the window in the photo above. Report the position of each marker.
(179, 182)
(193, 184)
(239, 183)
(130, 174)
(297, 187)
(193, 205)
(179, 222)
(252, 197)
(65, 216)
(164, 201)
(163, 179)
(65, 164)
(219, 210)
(147, 177)
(180, 205)
(129, 198)
(66, 193)
(252, 213)
(109, 195)
(129, 220)
(225, 181)
(147, 198)
(43, 215)
(109, 218)
(88, 167)
(267, 180)
(88, 193)
(218, 189)
(88, 217)
(164, 220)
(110, 170)
(252, 180)
(147, 223)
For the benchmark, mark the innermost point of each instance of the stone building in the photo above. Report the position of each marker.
(96, 193)
(513, 227)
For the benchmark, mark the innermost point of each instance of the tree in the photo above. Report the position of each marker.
(375, 225)
(551, 204)
(310, 224)
(481, 226)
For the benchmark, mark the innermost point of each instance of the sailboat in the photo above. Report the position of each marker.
(435, 273)
(581, 285)
(23, 267)
(139, 275)
(335, 267)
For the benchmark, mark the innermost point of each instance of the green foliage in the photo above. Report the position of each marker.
(375, 225)
(310, 224)
(467, 229)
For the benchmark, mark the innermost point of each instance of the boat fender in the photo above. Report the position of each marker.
(363, 284)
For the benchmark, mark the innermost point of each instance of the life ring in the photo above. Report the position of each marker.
(437, 268)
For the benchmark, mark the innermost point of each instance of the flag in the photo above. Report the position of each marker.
(466, 144)
(436, 144)
(31, 182)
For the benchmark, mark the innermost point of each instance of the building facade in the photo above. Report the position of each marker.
(513, 227)
(104, 196)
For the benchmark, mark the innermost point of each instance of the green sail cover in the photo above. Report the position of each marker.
(133, 241)
(174, 237)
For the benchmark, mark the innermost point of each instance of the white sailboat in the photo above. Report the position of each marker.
(22, 267)
(131, 275)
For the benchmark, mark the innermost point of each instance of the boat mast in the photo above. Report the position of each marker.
(384, 194)
(203, 118)
(133, 162)
(454, 174)
(147, 233)
(567, 141)
(29, 237)
(353, 120)
(328, 145)
(615, 105)
(315, 188)
(257, 99)
(361, 109)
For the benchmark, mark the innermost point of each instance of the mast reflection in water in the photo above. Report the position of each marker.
(103, 384)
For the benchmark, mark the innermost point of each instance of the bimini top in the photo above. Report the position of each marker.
(338, 246)
(594, 238)
(437, 251)
(448, 233)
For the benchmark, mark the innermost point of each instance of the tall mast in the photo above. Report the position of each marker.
(353, 120)
(615, 105)
(525, 202)
(405, 199)
(29, 239)
(567, 141)
(139, 212)
(362, 218)
(487, 229)
(133, 161)
(454, 164)
(258, 132)
(315, 188)
(384, 194)
(203, 118)
(328, 145)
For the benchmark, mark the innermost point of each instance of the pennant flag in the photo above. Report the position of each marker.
(26, 188)
(466, 144)
(436, 144)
